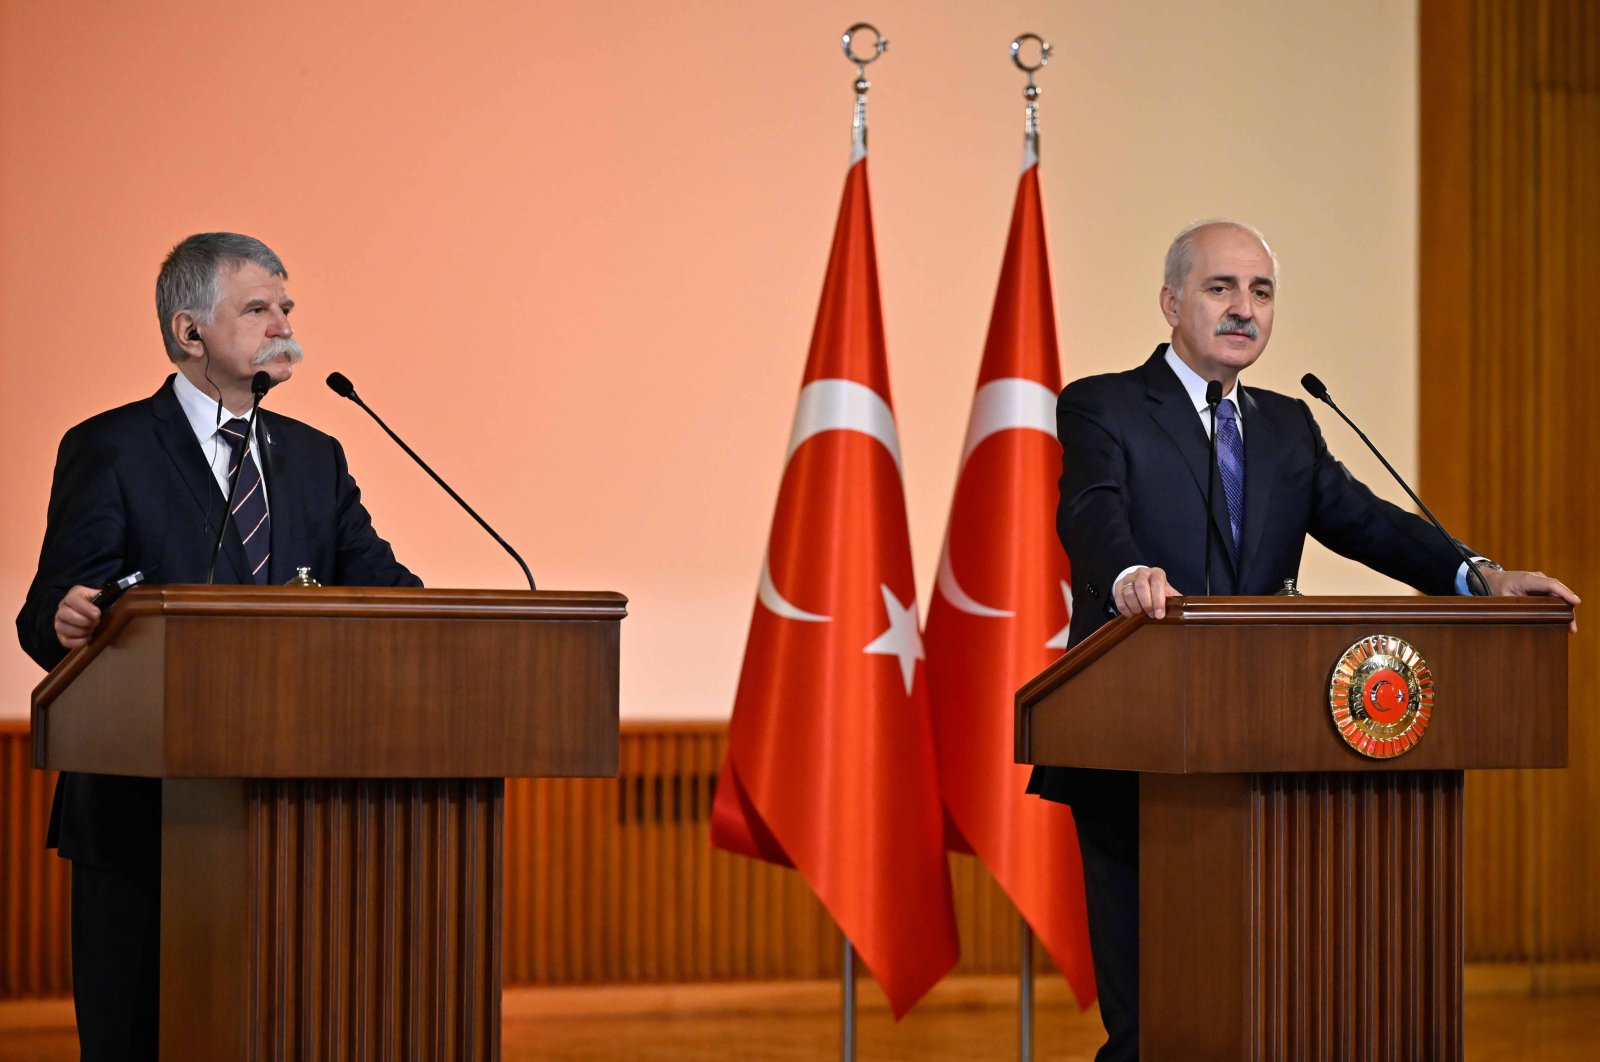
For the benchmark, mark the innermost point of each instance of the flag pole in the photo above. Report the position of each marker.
(858, 122)
(847, 1042)
(1030, 127)
(1030, 157)
(1025, 995)
(858, 151)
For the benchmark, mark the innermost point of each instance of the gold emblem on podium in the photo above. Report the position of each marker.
(1381, 696)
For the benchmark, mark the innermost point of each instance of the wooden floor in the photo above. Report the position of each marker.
(800, 1022)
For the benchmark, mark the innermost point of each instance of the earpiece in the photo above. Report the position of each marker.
(194, 334)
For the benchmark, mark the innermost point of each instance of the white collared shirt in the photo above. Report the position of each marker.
(202, 412)
(1195, 384)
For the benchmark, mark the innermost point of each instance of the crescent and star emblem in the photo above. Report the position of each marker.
(1007, 404)
(844, 405)
(1381, 696)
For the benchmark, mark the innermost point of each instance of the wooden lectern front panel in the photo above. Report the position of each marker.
(345, 920)
(1301, 916)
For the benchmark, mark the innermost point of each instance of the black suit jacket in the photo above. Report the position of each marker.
(132, 492)
(1135, 461)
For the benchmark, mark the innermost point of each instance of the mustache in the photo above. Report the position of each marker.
(279, 348)
(1243, 325)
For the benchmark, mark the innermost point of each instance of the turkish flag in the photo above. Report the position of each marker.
(830, 763)
(999, 613)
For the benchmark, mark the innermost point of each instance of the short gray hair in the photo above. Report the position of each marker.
(188, 278)
(1180, 256)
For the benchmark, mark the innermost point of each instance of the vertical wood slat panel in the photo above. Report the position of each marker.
(1361, 861)
(1510, 248)
(305, 990)
(650, 900)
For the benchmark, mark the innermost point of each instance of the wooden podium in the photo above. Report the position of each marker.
(332, 764)
(1299, 899)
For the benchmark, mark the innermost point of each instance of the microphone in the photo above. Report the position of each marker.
(260, 384)
(340, 384)
(1213, 400)
(1319, 390)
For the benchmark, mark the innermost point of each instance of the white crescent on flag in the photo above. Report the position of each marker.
(999, 405)
(830, 405)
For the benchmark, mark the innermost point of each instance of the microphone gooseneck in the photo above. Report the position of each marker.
(1213, 400)
(340, 384)
(260, 384)
(1318, 390)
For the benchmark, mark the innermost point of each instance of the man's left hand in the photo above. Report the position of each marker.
(1529, 584)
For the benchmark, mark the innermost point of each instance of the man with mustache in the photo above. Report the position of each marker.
(143, 488)
(1132, 517)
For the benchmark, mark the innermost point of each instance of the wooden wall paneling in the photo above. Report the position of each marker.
(35, 957)
(1510, 256)
(705, 765)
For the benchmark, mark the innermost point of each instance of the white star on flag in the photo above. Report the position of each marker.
(1061, 636)
(902, 639)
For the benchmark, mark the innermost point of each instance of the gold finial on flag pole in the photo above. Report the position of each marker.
(1030, 129)
(858, 127)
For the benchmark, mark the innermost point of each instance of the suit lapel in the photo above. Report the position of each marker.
(177, 438)
(1175, 414)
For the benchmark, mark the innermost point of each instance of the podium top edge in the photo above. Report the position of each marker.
(388, 602)
(1191, 610)
(199, 601)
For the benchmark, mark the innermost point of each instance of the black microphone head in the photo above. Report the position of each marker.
(1214, 392)
(1315, 386)
(260, 384)
(341, 385)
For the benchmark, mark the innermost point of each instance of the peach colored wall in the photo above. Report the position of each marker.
(573, 251)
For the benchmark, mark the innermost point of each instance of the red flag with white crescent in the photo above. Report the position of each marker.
(999, 612)
(831, 765)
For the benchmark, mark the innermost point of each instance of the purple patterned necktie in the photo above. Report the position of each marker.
(1230, 458)
(249, 500)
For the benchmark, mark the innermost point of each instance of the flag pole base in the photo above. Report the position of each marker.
(1025, 996)
(847, 1004)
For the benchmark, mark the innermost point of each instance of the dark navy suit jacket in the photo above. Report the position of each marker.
(133, 492)
(1135, 461)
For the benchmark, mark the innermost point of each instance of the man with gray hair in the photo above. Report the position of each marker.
(1134, 486)
(143, 488)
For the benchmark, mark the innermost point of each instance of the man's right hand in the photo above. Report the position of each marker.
(1144, 590)
(76, 616)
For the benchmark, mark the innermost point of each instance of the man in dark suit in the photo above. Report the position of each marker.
(142, 488)
(1132, 517)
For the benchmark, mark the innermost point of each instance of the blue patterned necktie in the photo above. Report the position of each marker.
(249, 500)
(1230, 458)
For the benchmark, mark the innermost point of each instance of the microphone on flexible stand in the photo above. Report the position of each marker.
(340, 384)
(260, 384)
(1318, 390)
(1213, 400)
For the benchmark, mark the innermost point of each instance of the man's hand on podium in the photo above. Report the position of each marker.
(1529, 584)
(76, 616)
(1144, 590)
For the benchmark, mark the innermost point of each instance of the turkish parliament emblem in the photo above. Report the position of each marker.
(1381, 696)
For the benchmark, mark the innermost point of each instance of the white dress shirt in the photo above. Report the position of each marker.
(1195, 384)
(206, 417)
